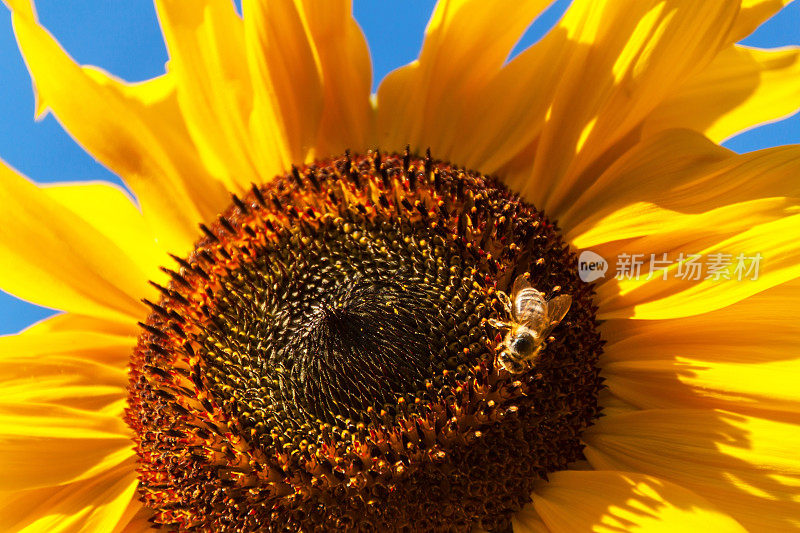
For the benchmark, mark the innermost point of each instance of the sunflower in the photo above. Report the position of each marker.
(350, 339)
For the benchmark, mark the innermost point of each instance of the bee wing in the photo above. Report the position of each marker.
(557, 307)
(556, 310)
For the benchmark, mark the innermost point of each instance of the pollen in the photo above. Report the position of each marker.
(325, 358)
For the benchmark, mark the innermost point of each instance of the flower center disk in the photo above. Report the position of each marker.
(325, 359)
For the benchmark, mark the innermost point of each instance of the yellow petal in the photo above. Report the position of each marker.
(78, 369)
(761, 389)
(613, 405)
(508, 113)
(657, 169)
(631, 54)
(287, 79)
(135, 130)
(113, 215)
(23, 7)
(740, 89)
(312, 77)
(100, 503)
(706, 203)
(466, 44)
(32, 462)
(511, 111)
(53, 257)
(728, 335)
(205, 40)
(745, 466)
(62, 395)
(69, 322)
(526, 520)
(773, 243)
(347, 115)
(624, 501)
(741, 358)
(68, 460)
(135, 519)
(751, 14)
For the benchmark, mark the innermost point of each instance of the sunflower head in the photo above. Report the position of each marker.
(347, 346)
(325, 357)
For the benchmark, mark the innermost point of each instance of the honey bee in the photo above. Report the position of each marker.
(532, 318)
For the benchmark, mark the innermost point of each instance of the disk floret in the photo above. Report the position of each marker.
(325, 359)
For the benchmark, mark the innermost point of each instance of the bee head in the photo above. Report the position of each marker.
(523, 343)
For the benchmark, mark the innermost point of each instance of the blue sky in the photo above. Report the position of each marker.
(123, 37)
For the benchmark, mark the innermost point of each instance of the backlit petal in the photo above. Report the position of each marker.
(631, 54)
(740, 89)
(526, 520)
(745, 466)
(347, 114)
(669, 160)
(61, 399)
(100, 503)
(692, 202)
(507, 115)
(751, 14)
(205, 40)
(766, 389)
(773, 243)
(56, 258)
(112, 214)
(742, 358)
(466, 44)
(765, 320)
(69, 323)
(607, 501)
(135, 130)
(312, 77)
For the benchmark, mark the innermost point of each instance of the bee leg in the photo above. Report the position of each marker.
(510, 364)
(504, 360)
(505, 300)
(498, 324)
(541, 347)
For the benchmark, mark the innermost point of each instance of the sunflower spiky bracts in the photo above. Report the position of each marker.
(323, 359)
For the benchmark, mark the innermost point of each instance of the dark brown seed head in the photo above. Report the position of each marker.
(323, 359)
